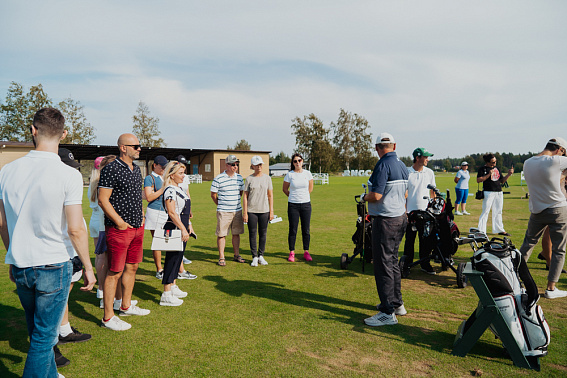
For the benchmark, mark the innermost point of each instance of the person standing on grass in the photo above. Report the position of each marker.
(462, 189)
(68, 334)
(387, 205)
(178, 207)
(226, 191)
(155, 212)
(258, 209)
(548, 208)
(419, 178)
(185, 187)
(120, 198)
(493, 200)
(298, 185)
(37, 187)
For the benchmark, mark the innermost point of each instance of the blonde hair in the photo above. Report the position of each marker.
(170, 169)
(95, 176)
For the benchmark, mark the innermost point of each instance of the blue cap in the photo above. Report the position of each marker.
(160, 160)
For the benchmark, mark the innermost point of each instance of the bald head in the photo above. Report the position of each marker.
(125, 139)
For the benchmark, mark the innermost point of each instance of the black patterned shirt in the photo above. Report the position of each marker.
(126, 197)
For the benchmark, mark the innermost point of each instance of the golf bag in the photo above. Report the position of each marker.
(503, 268)
(363, 224)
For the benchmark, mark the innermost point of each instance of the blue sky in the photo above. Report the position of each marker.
(456, 77)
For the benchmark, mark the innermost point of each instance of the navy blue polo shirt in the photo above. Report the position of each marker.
(389, 178)
(126, 197)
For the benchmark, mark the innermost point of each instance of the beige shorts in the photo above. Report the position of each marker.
(229, 220)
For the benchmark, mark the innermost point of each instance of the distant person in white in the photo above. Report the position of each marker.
(548, 208)
(226, 191)
(298, 185)
(40, 265)
(462, 189)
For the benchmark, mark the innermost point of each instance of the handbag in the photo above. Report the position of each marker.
(479, 193)
(167, 240)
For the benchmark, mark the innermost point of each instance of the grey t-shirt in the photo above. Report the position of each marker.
(257, 188)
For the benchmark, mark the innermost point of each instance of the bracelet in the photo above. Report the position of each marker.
(189, 224)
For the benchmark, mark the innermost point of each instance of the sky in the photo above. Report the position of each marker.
(455, 77)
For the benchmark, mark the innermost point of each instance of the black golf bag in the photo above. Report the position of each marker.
(363, 224)
(504, 272)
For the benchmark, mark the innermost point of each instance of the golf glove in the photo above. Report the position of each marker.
(362, 197)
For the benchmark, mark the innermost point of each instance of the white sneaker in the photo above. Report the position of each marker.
(466, 213)
(552, 294)
(118, 303)
(186, 260)
(116, 324)
(458, 213)
(168, 299)
(177, 292)
(400, 311)
(99, 293)
(186, 276)
(254, 262)
(134, 310)
(381, 319)
(262, 261)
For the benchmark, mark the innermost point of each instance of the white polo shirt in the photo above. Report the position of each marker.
(35, 189)
(417, 188)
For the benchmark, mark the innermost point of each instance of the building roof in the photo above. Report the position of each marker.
(92, 151)
(280, 166)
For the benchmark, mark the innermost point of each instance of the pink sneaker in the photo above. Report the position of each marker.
(291, 257)
(307, 256)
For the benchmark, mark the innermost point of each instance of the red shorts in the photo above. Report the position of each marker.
(124, 247)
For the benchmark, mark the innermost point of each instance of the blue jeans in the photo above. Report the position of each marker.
(43, 292)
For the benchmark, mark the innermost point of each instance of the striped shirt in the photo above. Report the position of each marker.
(228, 190)
(389, 178)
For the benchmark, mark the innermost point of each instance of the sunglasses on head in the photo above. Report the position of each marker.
(134, 146)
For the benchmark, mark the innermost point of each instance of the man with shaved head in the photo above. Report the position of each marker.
(120, 197)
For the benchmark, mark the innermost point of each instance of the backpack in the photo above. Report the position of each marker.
(504, 272)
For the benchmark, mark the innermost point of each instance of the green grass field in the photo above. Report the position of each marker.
(290, 319)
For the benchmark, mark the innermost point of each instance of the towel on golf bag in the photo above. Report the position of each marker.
(504, 272)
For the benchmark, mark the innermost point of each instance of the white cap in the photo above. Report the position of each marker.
(257, 160)
(464, 163)
(559, 142)
(385, 138)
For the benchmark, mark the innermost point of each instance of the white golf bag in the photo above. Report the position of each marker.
(503, 266)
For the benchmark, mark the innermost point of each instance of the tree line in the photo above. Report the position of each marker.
(19, 107)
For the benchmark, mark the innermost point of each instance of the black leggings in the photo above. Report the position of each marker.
(258, 222)
(295, 211)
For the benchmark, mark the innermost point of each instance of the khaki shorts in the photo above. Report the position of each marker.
(229, 220)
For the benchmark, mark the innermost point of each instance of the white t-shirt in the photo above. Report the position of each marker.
(464, 177)
(417, 188)
(298, 186)
(543, 176)
(35, 189)
(177, 195)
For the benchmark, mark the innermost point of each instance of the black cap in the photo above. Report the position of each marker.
(181, 159)
(68, 158)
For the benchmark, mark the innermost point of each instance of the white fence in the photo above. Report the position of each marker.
(320, 178)
(195, 179)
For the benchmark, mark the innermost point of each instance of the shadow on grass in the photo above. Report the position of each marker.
(338, 307)
(14, 331)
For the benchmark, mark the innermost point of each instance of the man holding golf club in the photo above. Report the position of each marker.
(387, 206)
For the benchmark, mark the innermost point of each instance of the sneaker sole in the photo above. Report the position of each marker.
(112, 329)
(61, 342)
(170, 304)
(380, 324)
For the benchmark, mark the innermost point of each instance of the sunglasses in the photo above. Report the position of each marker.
(234, 164)
(298, 161)
(134, 146)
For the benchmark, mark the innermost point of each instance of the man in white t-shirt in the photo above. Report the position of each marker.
(226, 191)
(31, 218)
(419, 177)
(548, 208)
